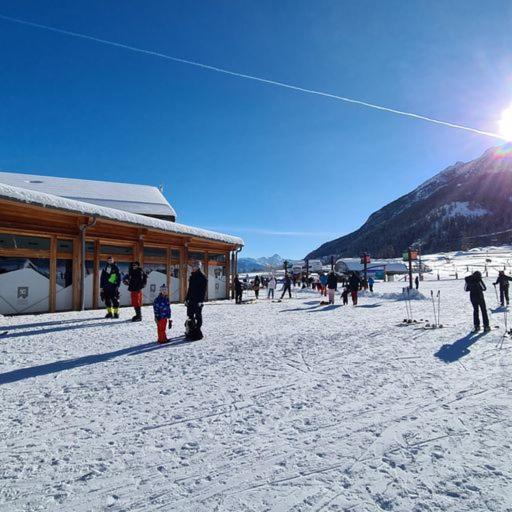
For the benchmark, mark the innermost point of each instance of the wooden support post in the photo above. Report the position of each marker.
(96, 282)
(227, 273)
(53, 273)
(183, 272)
(77, 273)
(206, 270)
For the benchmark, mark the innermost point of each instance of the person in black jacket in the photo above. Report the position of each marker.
(287, 286)
(476, 287)
(503, 281)
(332, 286)
(196, 295)
(238, 290)
(109, 287)
(354, 283)
(136, 280)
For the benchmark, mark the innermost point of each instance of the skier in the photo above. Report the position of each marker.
(417, 282)
(476, 287)
(162, 310)
(355, 283)
(287, 286)
(272, 283)
(196, 294)
(332, 286)
(503, 281)
(371, 282)
(256, 286)
(109, 288)
(238, 290)
(323, 284)
(136, 280)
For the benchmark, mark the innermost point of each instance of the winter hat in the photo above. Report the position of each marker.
(163, 288)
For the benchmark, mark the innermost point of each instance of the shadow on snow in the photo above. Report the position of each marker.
(458, 349)
(69, 364)
(44, 324)
(65, 327)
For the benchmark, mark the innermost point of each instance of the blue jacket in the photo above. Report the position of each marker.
(162, 307)
(323, 279)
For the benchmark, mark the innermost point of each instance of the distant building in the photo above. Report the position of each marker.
(379, 268)
(56, 233)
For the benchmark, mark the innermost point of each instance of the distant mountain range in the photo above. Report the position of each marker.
(448, 212)
(260, 264)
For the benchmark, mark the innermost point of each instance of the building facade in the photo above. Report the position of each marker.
(52, 250)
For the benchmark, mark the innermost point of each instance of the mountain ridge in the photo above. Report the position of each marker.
(463, 200)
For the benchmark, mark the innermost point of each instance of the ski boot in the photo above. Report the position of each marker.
(116, 313)
(487, 329)
(476, 329)
(109, 313)
(138, 316)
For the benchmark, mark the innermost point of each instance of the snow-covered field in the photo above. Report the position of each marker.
(288, 406)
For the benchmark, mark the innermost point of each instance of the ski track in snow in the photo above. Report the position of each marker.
(286, 406)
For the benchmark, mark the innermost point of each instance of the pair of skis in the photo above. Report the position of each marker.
(436, 305)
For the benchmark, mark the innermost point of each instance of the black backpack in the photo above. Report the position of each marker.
(192, 332)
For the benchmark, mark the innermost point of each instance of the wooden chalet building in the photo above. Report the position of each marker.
(54, 245)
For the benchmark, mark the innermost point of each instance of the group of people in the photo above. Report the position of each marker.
(136, 280)
(476, 288)
(326, 284)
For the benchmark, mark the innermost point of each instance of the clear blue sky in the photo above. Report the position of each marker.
(283, 169)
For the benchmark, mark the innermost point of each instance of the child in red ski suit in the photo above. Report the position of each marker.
(162, 309)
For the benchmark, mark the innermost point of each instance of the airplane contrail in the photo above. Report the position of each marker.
(251, 77)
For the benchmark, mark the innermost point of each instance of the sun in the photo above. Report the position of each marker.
(505, 124)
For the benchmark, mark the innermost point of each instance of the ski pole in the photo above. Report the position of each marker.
(410, 303)
(438, 308)
(433, 306)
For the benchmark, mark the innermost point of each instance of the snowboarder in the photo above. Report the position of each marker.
(109, 288)
(272, 283)
(136, 280)
(371, 282)
(287, 286)
(238, 290)
(162, 310)
(417, 282)
(256, 286)
(332, 286)
(196, 295)
(355, 283)
(503, 280)
(476, 287)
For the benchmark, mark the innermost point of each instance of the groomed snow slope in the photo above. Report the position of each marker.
(286, 406)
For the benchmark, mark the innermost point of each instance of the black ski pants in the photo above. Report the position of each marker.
(285, 288)
(504, 295)
(111, 296)
(479, 304)
(238, 296)
(195, 313)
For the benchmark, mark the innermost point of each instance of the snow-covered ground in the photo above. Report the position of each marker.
(290, 406)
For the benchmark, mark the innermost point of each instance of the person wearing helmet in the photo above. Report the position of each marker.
(476, 287)
(503, 280)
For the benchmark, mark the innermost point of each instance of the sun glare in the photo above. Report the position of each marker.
(505, 124)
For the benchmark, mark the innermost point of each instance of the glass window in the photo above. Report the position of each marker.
(199, 256)
(89, 247)
(157, 276)
(175, 255)
(217, 257)
(64, 295)
(155, 252)
(65, 246)
(175, 283)
(24, 285)
(116, 249)
(24, 242)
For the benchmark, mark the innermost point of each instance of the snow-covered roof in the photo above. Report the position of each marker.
(71, 205)
(142, 199)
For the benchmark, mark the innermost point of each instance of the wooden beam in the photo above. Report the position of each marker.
(53, 273)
